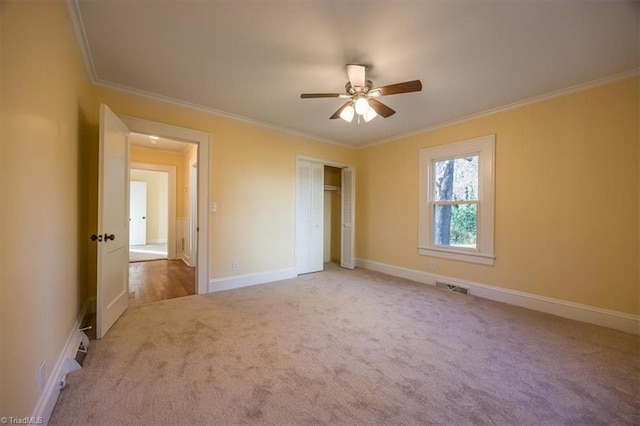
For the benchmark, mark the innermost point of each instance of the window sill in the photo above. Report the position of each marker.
(475, 257)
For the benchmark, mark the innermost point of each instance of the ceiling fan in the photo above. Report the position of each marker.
(362, 95)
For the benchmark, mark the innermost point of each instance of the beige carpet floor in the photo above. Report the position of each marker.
(351, 347)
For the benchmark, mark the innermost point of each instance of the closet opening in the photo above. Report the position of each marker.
(332, 214)
(325, 206)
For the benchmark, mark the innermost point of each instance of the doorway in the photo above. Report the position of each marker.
(160, 267)
(203, 141)
(332, 214)
(149, 212)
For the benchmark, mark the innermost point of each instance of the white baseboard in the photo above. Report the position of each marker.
(185, 258)
(49, 395)
(157, 241)
(607, 318)
(229, 283)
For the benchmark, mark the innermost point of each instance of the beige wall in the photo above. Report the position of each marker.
(167, 158)
(45, 95)
(566, 199)
(157, 216)
(252, 180)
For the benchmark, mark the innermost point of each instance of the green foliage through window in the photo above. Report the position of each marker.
(456, 180)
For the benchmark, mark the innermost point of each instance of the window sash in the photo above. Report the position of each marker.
(433, 204)
(432, 171)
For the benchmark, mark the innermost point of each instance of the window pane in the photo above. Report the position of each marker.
(456, 179)
(455, 225)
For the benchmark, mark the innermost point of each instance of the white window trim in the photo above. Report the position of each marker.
(484, 147)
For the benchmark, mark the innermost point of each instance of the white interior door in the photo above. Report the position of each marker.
(347, 256)
(137, 213)
(309, 217)
(113, 222)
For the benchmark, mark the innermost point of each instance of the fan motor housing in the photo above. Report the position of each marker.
(352, 90)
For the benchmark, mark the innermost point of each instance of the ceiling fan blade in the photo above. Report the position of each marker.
(356, 75)
(320, 95)
(337, 113)
(394, 89)
(381, 108)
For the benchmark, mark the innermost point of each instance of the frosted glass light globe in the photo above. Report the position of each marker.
(362, 106)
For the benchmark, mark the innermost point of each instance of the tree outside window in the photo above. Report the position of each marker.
(455, 205)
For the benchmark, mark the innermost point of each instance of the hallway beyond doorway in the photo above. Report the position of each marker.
(143, 253)
(160, 280)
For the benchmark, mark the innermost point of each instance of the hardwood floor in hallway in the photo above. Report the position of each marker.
(159, 280)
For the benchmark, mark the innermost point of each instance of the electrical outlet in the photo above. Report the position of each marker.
(235, 266)
(432, 264)
(41, 376)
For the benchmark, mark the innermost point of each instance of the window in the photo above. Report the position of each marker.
(457, 200)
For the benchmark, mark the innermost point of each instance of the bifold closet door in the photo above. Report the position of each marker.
(309, 217)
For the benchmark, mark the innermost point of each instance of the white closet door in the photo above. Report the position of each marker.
(309, 217)
(347, 257)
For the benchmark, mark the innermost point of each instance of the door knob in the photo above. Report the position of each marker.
(95, 237)
(108, 237)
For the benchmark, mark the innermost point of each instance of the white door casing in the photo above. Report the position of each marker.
(193, 219)
(347, 256)
(137, 213)
(203, 140)
(113, 222)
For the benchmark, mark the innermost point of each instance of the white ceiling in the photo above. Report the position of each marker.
(253, 59)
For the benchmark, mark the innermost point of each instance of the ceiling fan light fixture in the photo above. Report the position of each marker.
(362, 106)
(347, 113)
(370, 115)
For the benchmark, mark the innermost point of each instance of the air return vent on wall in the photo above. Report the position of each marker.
(451, 287)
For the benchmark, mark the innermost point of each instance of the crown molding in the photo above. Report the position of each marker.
(518, 104)
(73, 8)
(213, 111)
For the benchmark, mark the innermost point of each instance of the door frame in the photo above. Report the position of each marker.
(193, 217)
(324, 163)
(203, 140)
(171, 204)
